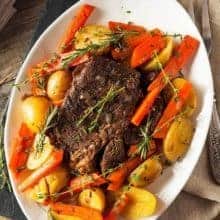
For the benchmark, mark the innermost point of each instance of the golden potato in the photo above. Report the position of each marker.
(163, 56)
(93, 198)
(191, 102)
(58, 83)
(146, 173)
(57, 180)
(92, 34)
(142, 203)
(39, 192)
(36, 159)
(57, 216)
(35, 110)
(178, 139)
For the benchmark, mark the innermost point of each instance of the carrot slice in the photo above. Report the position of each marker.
(84, 213)
(118, 176)
(115, 26)
(173, 108)
(144, 107)
(145, 50)
(54, 161)
(81, 182)
(183, 54)
(78, 21)
(134, 41)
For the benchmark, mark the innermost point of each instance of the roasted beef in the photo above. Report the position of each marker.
(92, 146)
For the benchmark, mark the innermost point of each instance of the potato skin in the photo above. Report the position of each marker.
(92, 34)
(142, 203)
(35, 110)
(93, 198)
(178, 139)
(146, 173)
(58, 83)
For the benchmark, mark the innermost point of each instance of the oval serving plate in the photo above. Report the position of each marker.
(167, 15)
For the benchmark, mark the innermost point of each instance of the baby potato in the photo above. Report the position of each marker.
(93, 198)
(146, 173)
(191, 103)
(58, 83)
(57, 216)
(163, 56)
(142, 203)
(92, 34)
(35, 110)
(178, 138)
(57, 180)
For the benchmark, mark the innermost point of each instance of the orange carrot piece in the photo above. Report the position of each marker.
(79, 60)
(53, 162)
(115, 26)
(144, 107)
(58, 103)
(118, 207)
(78, 21)
(146, 50)
(84, 213)
(134, 41)
(133, 150)
(81, 182)
(183, 54)
(118, 176)
(173, 108)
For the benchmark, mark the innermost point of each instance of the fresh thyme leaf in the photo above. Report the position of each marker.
(52, 112)
(112, 39)
(175, 35)
(19, 85)
(98, 108)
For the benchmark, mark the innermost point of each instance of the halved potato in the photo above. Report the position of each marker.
(36, 159)
(146, 173)
(142, 203)
(93, 198)
(178, 138)
(57, 216)
(191, 102)
(92, 34)
(163, 56)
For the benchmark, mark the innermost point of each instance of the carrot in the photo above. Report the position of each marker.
(145, 50)
(78, 21)
(115, 26)
(79, 60)
(134, 41)
(58, 103)
(118, 176)
(54, 161)
(118, 207)
(133, 150)
(183, 54)
(84, 213)
(173, 108)
(81, 182)
(20, 146)
(144, 107)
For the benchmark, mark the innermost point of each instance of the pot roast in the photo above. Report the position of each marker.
(93, 120)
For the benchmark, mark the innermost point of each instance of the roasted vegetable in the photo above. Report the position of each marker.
(93, 198)
(35, 110)
(35, 158)
(93, 34)
(178, 139)
(57, 85)
(146, 173)
(142, 203)
(163, 56)
(191, 102)
(57, 216)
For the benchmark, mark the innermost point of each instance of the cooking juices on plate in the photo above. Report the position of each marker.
(106, 115)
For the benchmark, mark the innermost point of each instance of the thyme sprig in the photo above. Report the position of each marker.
(144, 144)
(52, 112)
(112, 38)
(19, 85)
(175, 35)
(98, 108)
